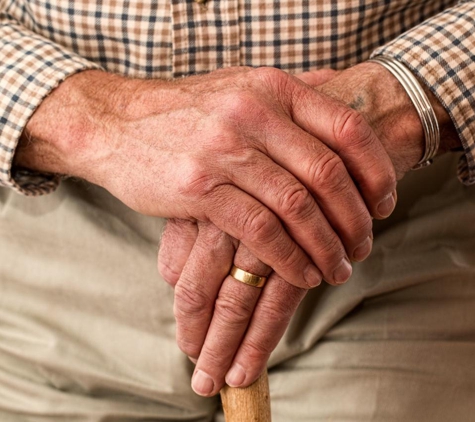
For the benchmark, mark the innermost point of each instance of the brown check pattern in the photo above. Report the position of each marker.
(43, 41)
(447, 66)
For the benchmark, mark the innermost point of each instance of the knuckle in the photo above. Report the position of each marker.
(187, 346)
(277, 311)
(169, 274)
(246, 157)
(241, 109)
(330, 252)
(331, 247)
(269, 74)
(222, 136)
(190, 303)
(382, 181)
(260, 225)
(389, 180)
(257, 351)
(279, 82)
(362, 225)
(195, 180)
(359, 227)
(233, 310)
(351, 128)
(289, 257)
(211, 237)
(296, 201)
(239, 102)
(216, 359)
(329, 171)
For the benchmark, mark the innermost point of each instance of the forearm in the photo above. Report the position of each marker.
(68, 133)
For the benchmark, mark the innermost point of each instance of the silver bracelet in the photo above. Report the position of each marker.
(421, 103)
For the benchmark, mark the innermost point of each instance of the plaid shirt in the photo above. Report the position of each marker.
(42, 42)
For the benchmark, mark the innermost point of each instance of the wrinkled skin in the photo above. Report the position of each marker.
(230, 328)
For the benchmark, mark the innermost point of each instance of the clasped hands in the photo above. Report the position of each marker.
(254, 167)
(330, 174)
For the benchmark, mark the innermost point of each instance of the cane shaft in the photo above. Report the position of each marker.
(250, 404)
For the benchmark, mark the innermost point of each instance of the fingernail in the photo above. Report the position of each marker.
(313, 277)
(202, 383)
(362, 251)
(343, 272)
(386, 206)
(193, 359)
(235, 376)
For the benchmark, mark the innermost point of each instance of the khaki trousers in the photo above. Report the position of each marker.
(87, 329)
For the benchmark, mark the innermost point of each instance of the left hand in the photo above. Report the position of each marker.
(217, 315)
(246, 322)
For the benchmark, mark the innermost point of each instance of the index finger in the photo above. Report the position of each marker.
(343, 130)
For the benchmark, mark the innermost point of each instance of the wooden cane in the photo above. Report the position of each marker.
(250, 404)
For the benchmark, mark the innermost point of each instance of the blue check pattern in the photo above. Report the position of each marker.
(43, 42)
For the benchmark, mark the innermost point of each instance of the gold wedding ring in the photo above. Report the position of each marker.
(247, 278)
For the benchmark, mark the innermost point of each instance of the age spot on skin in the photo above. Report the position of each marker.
(358, 104)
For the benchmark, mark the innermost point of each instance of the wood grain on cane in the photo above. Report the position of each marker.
(250, 404)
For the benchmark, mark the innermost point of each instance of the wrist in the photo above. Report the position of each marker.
(381, 99)
(65, 134)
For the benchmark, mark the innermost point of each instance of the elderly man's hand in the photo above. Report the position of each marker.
(232, 327)
(257, 152)
(217, 315)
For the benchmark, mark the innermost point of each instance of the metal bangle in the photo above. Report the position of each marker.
(422, 104)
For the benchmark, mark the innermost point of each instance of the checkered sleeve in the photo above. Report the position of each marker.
(441, 53)
(30, 68)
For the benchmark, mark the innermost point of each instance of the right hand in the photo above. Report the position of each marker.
(250, 150)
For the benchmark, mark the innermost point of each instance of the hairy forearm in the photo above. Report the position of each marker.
(55, 138)
(72, 132)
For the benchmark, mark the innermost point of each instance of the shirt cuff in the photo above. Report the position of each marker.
(30, 68)
(440, 53)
